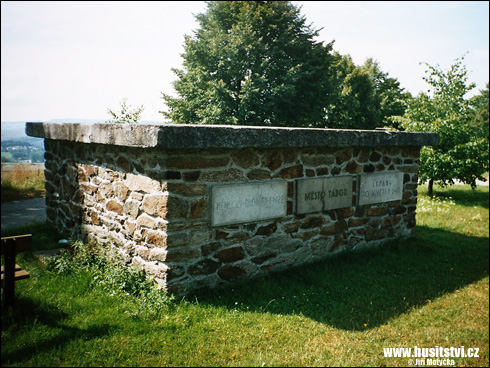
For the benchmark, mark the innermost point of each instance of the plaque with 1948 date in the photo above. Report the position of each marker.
(380, 187)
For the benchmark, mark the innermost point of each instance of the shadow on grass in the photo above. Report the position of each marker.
(29, 312)
(366, 287)
(44, 236)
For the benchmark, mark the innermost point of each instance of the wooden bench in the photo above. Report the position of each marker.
(11, 272)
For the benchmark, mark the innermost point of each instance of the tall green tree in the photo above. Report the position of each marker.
(353, 105)
(252, 63)
(364, 95)
(479, 114)
(389, 97)
(463, 150)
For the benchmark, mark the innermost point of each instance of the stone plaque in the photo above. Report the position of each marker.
(322, 194)
(238, 203)
(380, 187)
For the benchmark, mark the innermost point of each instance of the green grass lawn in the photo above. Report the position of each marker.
(428, 291)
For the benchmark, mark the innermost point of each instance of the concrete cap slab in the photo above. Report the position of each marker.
(178, 136)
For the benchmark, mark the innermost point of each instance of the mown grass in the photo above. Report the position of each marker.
(428, 291)
(22, 181)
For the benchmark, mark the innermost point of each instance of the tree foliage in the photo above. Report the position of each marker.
(463, 150)
(389, 97)
(364, 95)
(479, 114)
(127, 114)
(252, 63)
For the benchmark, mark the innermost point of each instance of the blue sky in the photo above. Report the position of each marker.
(63, 60)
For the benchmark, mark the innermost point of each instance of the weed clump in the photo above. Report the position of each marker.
(107, 270)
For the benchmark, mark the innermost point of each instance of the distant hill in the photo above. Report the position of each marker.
(13, 130)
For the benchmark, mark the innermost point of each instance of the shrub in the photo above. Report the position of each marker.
(108, 271)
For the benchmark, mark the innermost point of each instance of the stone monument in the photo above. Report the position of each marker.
(201, 206)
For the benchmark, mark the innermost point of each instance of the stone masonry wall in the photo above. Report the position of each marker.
(153, 205)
